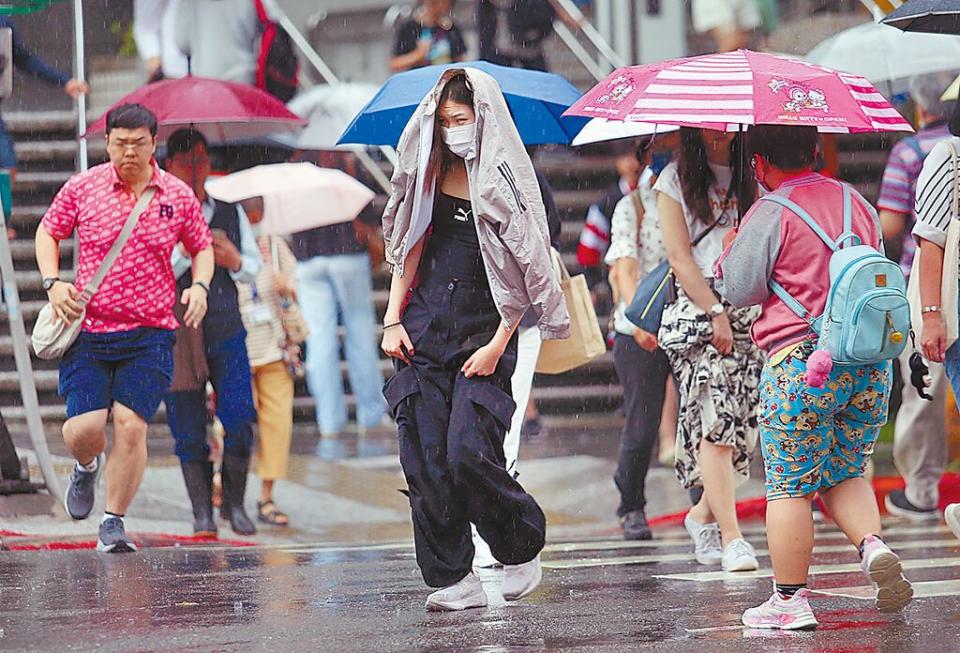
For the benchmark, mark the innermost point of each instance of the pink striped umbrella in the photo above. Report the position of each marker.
(728, 90)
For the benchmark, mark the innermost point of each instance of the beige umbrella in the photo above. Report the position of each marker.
(296, 196)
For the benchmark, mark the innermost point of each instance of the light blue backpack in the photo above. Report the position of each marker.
(867, 316)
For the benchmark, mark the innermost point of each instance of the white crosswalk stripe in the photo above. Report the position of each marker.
(928, 552)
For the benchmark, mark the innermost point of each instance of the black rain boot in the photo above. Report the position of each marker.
(198, 478)
(233, 473)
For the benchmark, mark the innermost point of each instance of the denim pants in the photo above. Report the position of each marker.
(337, 290)
(643, 376)
(230, 376)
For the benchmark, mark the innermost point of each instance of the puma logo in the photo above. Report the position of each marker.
(462, 215)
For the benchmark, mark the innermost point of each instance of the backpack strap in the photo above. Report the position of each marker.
(848, 234)
(781, 292)
(784, 295)
(806, 217)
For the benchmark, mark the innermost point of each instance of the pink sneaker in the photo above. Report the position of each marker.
(782, 614)
(882, 567)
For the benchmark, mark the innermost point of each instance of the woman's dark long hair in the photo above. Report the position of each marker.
(696, 175)
(441, 158)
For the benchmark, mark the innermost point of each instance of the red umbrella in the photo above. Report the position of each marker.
(222, 111)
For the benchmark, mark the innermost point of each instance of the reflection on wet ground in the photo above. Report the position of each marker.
(597, 595)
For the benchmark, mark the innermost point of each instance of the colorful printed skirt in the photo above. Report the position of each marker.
(718, 394)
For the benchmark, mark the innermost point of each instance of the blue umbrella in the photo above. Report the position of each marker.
(537, 101)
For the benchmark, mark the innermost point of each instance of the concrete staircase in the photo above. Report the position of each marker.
(46, 149)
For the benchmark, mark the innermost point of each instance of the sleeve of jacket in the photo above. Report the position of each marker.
(526, 236)
(398, 188)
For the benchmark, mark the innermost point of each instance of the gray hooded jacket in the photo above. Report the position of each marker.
(511, 221)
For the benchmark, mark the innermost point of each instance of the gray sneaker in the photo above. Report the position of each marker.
(113, 537)
(81, 493)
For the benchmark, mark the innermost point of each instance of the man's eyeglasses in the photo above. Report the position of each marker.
(131, 145)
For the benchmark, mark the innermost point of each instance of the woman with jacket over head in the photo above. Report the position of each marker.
(466, 233)
(715, 362)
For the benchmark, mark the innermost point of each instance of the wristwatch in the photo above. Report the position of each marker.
(48, 283)
(716, 310)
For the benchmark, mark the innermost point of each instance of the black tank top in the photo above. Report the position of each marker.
(453, 251)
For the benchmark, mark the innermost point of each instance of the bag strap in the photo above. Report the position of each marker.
(781, 292)
(806, 217)
(723, 214)
(956, 180)
(638, 208)
(94, 284)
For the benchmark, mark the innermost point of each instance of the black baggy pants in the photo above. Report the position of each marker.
(451, 432)
(643, 376)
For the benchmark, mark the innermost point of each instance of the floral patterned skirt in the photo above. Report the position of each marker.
(718, 394)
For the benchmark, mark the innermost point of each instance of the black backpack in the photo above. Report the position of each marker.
(277, 64)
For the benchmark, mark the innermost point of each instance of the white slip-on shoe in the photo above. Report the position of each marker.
(466, 594)
(520, 580)
(739, 556)
(706, 540)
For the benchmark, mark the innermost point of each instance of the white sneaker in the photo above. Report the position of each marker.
(952, 515)
(739, 556)
(466, 594)
(706, 540)
(520, 580)
(882, 567)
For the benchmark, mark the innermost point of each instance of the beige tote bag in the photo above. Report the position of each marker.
(951, 269)
(586, 340)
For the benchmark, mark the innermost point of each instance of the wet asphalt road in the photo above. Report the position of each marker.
(597, 595)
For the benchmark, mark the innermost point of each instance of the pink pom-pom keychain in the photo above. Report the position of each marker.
(819, 366)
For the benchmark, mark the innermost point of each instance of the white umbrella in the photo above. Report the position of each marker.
(601, 129)
(886, 56)
(296, 196)
(328, 110)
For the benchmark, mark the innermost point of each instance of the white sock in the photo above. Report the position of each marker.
(109, 515)
(90, 466)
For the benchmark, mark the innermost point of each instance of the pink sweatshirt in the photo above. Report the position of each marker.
(774, 243)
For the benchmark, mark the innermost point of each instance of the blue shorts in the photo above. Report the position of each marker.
(133, 368)
(816, 438)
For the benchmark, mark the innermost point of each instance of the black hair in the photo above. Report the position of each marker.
(458, 90)
(131, 116)
(696, 176)
(184, 140)
(786, 147)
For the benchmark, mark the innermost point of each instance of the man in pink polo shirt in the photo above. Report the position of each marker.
(814, 440)
(123, 359)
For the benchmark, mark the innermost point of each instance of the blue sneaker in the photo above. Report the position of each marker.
(81, 493)
(113, 537)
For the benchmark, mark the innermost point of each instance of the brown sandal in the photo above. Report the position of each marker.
(268, 513)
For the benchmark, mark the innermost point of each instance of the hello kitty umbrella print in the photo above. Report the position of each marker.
(730, 90)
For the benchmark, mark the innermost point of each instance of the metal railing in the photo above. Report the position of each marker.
(315, 60)
(596, 67)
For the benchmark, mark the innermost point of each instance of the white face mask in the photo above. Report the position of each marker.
(461, 140)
